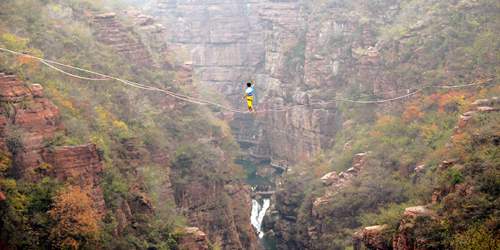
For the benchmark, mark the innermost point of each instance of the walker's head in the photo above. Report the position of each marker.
(249, 84)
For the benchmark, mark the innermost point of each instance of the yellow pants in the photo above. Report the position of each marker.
(249, 101)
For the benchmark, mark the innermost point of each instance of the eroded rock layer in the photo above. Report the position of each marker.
(28, 122)
(222, 38)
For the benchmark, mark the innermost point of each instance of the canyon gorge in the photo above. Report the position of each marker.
(377, 124)
(307, 52)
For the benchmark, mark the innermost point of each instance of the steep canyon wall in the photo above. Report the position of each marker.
(301, 53)
(223, 38)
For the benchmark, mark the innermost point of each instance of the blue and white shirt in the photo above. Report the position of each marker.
(249, 91)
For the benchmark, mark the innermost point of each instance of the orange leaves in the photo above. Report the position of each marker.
(28, 60)
(76, 220)
(429, 129)
(374, 133)
(460, 138)
(451, 101)
(411, 113)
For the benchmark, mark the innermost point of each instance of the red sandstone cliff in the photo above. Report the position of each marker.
(227, 225)
(28, 121)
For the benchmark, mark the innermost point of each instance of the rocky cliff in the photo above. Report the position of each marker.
(418, 225)
(31, 126)
(29, 121)
(212, 200)
(222, 208)
(222, 38)
(310, 55)
(317, 55)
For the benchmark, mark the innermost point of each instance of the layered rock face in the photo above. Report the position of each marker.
(307, 60)
(112, 32)
(222, 211)
(28, 121)
(194, 239)
(311, 54)
(288, 222)
(227, 41)
(313, 58)
(222, 37)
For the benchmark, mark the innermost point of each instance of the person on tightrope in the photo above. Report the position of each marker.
(249, 96)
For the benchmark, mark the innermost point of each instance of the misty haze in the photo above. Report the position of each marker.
(250, 124)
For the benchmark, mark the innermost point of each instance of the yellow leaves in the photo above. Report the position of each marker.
(18, 44)
(4, 160)
(76, 220)
(118, 128)
(24, 62)
(374, 133)
(61, 100)
(384, 121)
(460, 138)
(102, 112)
(474, 23)
(45, 167)
(13, 42)
(429, 132)
(478, 236)
(99, 141)
(16, 199)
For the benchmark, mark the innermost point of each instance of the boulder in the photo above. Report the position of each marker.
(374, 237)
(405, 238)
(329, 178)
(193, 239)
(105, 16)
(12, 89)
(357, 241)
(486, 109)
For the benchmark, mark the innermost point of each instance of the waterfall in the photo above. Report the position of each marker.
(258, 213)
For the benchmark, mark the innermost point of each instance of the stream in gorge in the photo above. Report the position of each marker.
(259, 208)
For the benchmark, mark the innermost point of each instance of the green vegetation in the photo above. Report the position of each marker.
(399, 140)
(39, 209)
(433, 43)
(294, 51)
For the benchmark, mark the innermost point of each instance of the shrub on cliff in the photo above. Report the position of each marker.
(75, 220)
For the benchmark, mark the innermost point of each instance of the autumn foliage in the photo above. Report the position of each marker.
(450, 101)
(76, 221)
(28, 60)
(411, 113)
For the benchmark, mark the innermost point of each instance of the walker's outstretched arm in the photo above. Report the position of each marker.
(253, 81)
